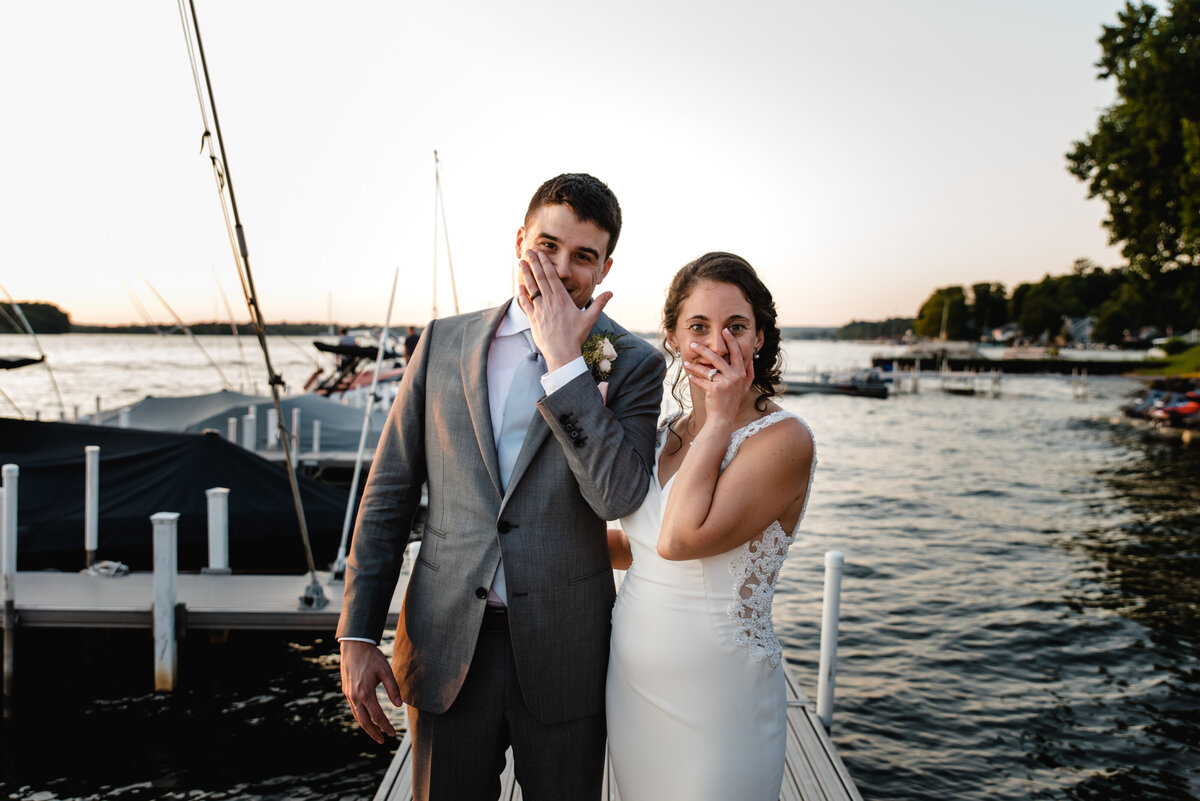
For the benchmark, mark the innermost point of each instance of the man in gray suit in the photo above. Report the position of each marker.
(527, 448)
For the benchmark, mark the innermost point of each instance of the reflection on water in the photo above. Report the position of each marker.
(1019, 614)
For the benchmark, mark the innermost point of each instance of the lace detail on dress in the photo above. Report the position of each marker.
(757, 565)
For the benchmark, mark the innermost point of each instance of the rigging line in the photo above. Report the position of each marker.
(188, 331)
(233, 327)
(446, 233)
(17, 408)
(339, 565)
(16, 327)
(206, 142)
(146, 318)
(314, 597)
(436, 190)
(17, 310)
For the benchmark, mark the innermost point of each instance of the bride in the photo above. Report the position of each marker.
(696, 702)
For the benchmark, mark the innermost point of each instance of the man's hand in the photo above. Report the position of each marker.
(364, 667)
(559, 328)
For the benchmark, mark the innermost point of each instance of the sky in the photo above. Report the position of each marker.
(859, 154)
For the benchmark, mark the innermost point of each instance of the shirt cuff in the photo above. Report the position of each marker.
(357, 639)
(564, 375)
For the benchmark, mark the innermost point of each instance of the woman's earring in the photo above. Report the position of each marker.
(756, 354)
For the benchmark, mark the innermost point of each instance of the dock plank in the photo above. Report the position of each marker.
(813, 770)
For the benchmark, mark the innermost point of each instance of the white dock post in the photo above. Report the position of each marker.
(272, 429)
(123, 419)
(295, 436)
(218, 530)
(231, 427)
(316, 444)
(166, 667)
(91, 503)
(8, 563)
(8, 517)
(249, 431)
(829, 635)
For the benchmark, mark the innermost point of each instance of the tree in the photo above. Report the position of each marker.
(44, 318)
(989, 308)
(948, 305)
(1143, 158)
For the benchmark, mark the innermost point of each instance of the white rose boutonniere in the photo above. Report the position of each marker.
(599, 353)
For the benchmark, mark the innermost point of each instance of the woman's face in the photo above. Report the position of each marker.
(711, 307)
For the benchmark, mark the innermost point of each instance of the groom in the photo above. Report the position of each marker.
(503, 636)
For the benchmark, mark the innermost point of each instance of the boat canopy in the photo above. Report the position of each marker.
(341, 425)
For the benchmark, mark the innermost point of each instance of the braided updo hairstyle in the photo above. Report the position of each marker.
(726, 268)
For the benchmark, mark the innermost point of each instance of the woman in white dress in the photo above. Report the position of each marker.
(696, 702)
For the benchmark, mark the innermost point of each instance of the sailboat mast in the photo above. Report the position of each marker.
(440, 206)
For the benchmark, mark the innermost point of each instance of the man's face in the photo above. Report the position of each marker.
(575, 249)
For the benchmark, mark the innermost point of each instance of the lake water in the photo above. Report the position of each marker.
(1018, 620)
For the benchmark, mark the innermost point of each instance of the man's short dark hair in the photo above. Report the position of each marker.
(589, 197)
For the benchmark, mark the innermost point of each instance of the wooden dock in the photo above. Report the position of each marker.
(215, 601)
(813, 770)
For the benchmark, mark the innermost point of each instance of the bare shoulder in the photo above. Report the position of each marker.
(788, 443)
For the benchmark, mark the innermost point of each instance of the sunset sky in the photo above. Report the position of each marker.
(859, 154)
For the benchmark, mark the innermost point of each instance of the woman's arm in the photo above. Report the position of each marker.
(619, 553)
(709, 511)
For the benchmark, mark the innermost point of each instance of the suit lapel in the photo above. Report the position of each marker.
(538, 430)
(477, 340)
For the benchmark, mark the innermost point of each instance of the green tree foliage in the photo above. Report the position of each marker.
(891, 328)
(44, 318)
(947, 306)
(988, 310)
(1143, 158)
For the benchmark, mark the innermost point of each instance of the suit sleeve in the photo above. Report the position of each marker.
(390, 500)
(610, 448)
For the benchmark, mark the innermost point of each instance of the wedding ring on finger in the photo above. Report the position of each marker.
(535, 295)
(712, 373)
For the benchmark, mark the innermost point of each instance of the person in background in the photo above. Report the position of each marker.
(410, 343)
(504, 632)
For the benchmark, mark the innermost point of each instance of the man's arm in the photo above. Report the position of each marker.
(610, 449)
(390, 500)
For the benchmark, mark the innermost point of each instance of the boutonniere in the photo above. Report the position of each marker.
(599, 353)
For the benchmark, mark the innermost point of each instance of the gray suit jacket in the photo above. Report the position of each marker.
(583, 463)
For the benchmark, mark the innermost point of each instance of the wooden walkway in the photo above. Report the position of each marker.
(813, 770)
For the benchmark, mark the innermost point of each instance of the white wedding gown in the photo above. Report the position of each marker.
(696, 702)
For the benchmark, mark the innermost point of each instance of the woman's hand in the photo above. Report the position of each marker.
(726, 383)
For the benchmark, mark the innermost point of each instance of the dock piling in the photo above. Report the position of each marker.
(91, 502)
(316, 443)
(827, 672)
(295, 434)
(8, 563)
(231, 429)
(249, 431)
(218, 530)
(166, 568)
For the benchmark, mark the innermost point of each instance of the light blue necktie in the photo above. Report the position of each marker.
(519, 409)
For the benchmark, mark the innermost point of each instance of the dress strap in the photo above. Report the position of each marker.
(749, 430)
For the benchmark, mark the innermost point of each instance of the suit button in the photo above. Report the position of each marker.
(574, 434)
(480, 592)
(504, 526)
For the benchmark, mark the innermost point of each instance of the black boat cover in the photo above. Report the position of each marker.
(144, 472)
